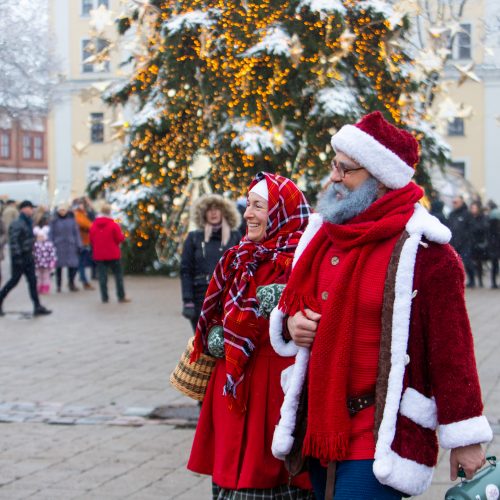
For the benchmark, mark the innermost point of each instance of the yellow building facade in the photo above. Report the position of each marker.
(475, 138)
(79, 125)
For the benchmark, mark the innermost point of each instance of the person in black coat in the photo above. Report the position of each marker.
(494, 240)
(437, 207)
(460, 223)
(217, 220)
(21, 241)
(479, 235)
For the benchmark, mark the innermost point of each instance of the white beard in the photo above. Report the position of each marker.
(338, 204)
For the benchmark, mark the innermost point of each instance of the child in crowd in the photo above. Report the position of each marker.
(45, 256)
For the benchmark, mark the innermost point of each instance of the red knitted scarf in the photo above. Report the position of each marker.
(328, 430)
(231, 296)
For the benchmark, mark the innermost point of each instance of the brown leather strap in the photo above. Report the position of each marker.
(330, 480)
(354, 405)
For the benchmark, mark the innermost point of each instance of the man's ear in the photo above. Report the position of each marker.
(381, 189)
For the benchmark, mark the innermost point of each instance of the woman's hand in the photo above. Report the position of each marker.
(303, 328)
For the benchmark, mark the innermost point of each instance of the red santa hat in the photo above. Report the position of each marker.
(390, 154)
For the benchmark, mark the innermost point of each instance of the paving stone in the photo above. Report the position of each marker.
(94, 366)
(136, 411)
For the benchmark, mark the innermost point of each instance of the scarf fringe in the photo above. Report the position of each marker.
(231, 386)
(326, 447)
(291, 302)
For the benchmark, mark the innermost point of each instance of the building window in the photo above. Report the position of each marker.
(92, 171)
(458, 167)
(27, 149)
(4, 144)
(456, 127)
(463, 42)
(32, 147)
(92, 48)
(37, 148)
(88, 5)
(96, 127)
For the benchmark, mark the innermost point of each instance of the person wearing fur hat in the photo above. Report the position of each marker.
(217, 220)
(375, 307)
(232, 442)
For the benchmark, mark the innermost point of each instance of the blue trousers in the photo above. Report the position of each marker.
(354, 480)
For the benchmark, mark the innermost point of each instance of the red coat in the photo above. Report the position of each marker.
(427, 382)
(235, 447)
(105, 238)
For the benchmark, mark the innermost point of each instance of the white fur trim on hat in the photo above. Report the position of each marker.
(470, 431)
(381, 162)
(261, 189)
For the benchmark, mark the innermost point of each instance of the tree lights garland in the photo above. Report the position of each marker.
(224, 73)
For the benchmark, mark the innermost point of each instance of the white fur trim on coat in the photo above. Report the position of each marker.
(419, 408)
(385, 165)
(283, 433)
(470, 431)
(399, 343)
(285, 379)
(283, 348)
(402, 474)
(422, 222)
(313, 225)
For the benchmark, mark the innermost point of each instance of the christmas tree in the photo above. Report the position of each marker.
(250, 85)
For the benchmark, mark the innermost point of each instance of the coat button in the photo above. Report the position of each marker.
(324, 295)
(335, 260)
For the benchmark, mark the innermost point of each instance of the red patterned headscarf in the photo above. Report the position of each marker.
(231, 296)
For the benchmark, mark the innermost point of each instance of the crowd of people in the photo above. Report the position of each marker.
(368, 320)
(74, 237)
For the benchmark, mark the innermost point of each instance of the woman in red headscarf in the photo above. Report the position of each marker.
(242, 403)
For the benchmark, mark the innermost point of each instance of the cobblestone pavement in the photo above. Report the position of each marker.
(78, 389)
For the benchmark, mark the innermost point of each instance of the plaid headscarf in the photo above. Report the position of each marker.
(231, 296)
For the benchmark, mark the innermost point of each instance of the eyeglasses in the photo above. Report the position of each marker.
(344, 169)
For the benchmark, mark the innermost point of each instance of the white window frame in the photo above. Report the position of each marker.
(98, 122)
(93, 5)
(457, 46)
(5, 144)
(89, 68)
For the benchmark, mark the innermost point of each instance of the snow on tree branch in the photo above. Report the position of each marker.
(323, 7)
(336, 101)
(276, 41)
(189, 20)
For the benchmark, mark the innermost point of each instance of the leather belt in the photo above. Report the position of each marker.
(355, 405)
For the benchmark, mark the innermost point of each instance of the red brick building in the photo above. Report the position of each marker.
(23, 148)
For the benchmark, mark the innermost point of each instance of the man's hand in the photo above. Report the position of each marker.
(471, 458)
(303, 328)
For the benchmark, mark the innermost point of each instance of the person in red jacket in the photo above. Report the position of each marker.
(105, 239)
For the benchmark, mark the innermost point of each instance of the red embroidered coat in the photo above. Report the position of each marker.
(232, 446)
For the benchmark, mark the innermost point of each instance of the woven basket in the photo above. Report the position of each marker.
(192, 378)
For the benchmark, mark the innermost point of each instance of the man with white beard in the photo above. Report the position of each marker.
(377, 294)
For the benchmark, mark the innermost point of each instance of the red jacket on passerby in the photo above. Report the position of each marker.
(105, 238)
